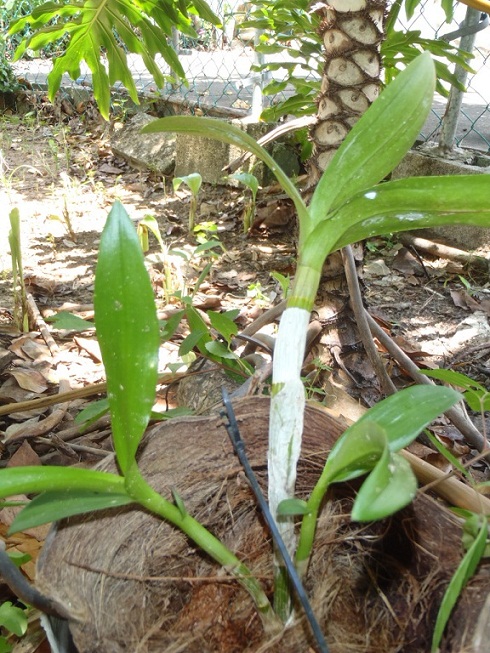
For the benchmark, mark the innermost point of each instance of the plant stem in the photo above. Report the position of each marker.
(308, 525)
(146, 496)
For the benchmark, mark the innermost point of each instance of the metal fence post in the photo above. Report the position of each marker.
(453, 107)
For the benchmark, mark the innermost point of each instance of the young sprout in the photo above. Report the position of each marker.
(193, 182)
(252, 183)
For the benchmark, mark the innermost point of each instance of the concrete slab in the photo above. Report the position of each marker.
(150, 151)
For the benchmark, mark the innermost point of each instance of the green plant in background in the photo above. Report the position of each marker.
(290, 28)
(348, 204)
(128, 334)
(252, 183)
(193, 182)
(149, 224)
(142, 28)
(21, 315)
(8, 80)
(13, 620)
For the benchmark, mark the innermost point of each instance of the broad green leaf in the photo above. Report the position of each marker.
(355, 453)
(53, 506)
(402, 205)
(13, 619)
(219, 350)
(127, 330)
(292, 507)
(379, 139)
(226, 133)
(406, 413)
(392, 423)
(37, 479)
(464, 572)
(248, 180)
(69, 322)
(223, 325)
(388, 488)
(193, 181)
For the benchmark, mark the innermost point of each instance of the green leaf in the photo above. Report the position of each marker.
(393, 423)
(406, 413)
(219, 350)
(248, 180)
(172, 413)
(179, 503)
(476, 396)
(5, 647)
(194, 338)
(36, 479)
(170, 326)
(69, 322)
(379, 139)
(292, 507)
(53, 506)
(454, 378)
(193, 181)
(226, 133)
(223, 325)
(388, 488)
(19, 558)
(127, 330)
(355, 453)
(112, 26)
(150, 223)
(13, 619)
(464, 572)
(94, 411)
(402, 205)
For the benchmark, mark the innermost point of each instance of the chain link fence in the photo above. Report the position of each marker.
(220, 76)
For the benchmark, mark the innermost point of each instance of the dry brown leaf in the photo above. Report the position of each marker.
(91, 346)
(25, 455)
(30, 380)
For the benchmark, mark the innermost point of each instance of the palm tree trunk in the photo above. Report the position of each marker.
(351, 31)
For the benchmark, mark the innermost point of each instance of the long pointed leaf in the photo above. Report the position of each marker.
(380, 139)
(405, 414)
(402, 205)
(226, 133)
(463, 573)
(28, 480)
(127, 329)
(52, 506)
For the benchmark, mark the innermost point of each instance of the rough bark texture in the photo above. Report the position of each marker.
(352, 31)
(135, 584)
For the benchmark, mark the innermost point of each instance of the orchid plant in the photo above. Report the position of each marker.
(349, 204)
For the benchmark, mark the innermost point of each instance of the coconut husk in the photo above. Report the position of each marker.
(134, 583)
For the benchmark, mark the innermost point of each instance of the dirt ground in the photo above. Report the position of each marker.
(58, 169)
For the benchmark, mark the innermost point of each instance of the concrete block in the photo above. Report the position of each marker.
(428, 162)
(150, 151)
(208, 157)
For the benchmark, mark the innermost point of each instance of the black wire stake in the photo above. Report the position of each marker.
(239, 447)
